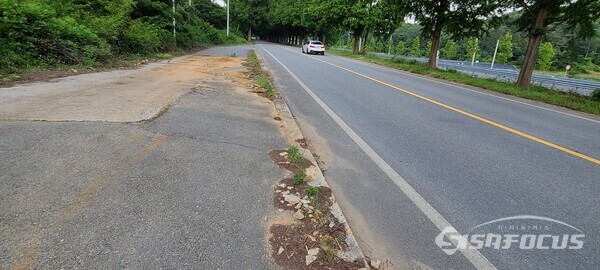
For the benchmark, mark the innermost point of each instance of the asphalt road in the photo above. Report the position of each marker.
(407, 156)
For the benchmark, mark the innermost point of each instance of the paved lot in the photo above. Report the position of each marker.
(188, 190)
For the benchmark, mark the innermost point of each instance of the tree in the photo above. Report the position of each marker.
(450, 50)
(455, 17)
(400, 48)
(415, 47)
(250, 13)
(505, 49)
(546, 55)
(472, 48)
(539, 15)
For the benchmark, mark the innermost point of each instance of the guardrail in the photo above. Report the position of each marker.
(510, 73)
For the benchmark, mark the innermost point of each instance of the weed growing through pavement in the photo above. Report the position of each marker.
(312, 192)
(299, 177)
(327, 245)
(233, 55)
(294, 155)
(262, 78)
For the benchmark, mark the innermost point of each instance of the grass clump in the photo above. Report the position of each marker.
(327, 245)
(294, 155)
(564, 99)
(312, 192)
(262, 79)
(299, 177)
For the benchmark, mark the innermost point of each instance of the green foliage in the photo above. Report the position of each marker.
(472, 48)
(415, 47)
(299, 177)
(294, 155)
(312, 192)
(44, 33)
(400, 48)
(450, 50)
(596, 95)
(546, 54)
(428, 48)
(505, 49)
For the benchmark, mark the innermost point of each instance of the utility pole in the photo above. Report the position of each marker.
(227, 17)
(174, 23)
(495, 52)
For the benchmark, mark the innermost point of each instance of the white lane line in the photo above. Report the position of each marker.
(473, 255)
(464, 88)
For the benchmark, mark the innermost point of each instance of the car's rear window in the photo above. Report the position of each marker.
(316, 42)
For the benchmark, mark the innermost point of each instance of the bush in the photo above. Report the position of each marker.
(596, 95)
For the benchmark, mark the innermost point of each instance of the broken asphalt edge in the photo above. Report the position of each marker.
(292, 134)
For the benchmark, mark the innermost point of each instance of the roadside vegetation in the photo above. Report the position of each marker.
(568, 100)
(260, 76)
(48, 34)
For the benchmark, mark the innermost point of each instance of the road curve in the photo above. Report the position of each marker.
(408, 156)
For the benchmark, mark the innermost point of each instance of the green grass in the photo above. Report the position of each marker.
(262, 79)
(564, 99)
(294, 156)
(312, 192)
(299, 177)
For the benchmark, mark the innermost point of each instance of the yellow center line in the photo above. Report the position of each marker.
(474, 116)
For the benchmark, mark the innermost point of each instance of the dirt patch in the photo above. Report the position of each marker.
(321, 200)
(313, 227)
(119, 96)
(283, 162)
(294, 241)
(302, 142)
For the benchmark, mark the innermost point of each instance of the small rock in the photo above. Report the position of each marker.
(266, 218)
(312, 255)
(282, 201)
(313, 251)
(311, 238)
(282, 185)
(280, 250)
(288, 205)
(331, 224)
(375, 263)
(292, 199)
(310, 215)
(290, 188)
(283, 154)
(278, 191)
(298, 206)
(298, 215)
(280, 210)
(285, 192)
(305, 201)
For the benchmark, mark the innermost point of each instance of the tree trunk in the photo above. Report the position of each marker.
(535, 39)
(435, 45)
(250, 33)
(324, 38)
(355, 46)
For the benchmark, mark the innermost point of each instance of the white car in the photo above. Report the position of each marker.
(313, 46)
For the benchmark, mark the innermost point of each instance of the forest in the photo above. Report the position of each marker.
(47, 33)
(532, 34)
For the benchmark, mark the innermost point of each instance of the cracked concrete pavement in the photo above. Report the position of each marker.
(189, 189)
